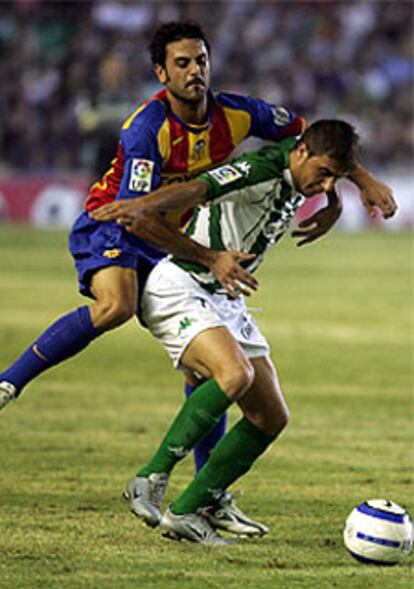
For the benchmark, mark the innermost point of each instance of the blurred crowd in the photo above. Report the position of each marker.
(71, 71)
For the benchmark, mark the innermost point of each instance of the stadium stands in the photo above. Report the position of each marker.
(73, 70)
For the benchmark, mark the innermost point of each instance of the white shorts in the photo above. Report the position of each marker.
(176, 309)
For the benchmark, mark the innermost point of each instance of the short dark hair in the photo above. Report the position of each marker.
(335, 138)
(170, 32)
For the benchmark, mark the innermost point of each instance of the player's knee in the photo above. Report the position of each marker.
(236, 379)
(275, 422)
(112, 313)
(270, 420)
(282, 419)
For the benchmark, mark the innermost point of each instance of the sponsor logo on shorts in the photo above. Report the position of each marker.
(185, 324)
(225, 174)
(281, 116)
(111, 254)
(141, 175)
(247, 330)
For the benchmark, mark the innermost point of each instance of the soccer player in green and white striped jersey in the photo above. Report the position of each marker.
(245, 205)
(251, 203)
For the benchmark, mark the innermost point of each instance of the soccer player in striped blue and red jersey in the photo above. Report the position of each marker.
(181, 131)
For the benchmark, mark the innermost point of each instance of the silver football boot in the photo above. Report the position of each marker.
(224, 514)
(145, 495)
(8, 392)
(190, 526)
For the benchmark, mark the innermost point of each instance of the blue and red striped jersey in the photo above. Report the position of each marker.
(157, 148)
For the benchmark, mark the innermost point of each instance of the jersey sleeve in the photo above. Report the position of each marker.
(267, 121)
(142, 160)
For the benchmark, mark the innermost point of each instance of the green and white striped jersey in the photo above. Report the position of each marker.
(250, 203)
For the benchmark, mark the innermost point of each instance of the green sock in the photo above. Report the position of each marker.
(231, 458)
(199, 414)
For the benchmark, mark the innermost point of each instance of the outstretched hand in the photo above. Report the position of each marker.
(320, 222)
(233, 277)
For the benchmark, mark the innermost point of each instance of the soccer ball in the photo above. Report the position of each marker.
(379, 532)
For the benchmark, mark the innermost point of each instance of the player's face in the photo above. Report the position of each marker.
(313, 174)
(187, 70)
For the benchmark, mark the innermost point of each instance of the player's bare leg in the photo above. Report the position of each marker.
(214, 353)
(264, 404)
(116, 292)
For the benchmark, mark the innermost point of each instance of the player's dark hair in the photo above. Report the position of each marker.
(170, 32)
(335, 138)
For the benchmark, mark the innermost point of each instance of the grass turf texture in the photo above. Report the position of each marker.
(338, 315)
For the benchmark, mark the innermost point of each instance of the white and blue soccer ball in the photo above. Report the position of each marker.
(379, 532)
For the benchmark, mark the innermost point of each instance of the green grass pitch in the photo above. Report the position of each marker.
(338, 315)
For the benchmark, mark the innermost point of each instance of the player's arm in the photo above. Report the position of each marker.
(208, 187)
(320, 222)
(373, 193)
(223, 264)
(143, 217)
(133, 212)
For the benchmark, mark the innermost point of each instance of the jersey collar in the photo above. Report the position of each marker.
(192, 128)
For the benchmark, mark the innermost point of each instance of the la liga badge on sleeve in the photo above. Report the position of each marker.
(141, 175)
